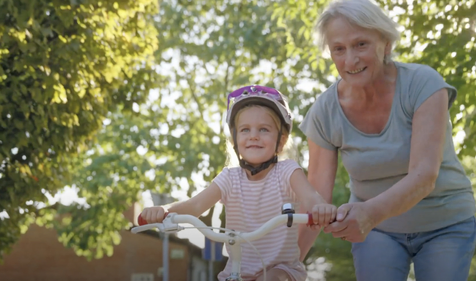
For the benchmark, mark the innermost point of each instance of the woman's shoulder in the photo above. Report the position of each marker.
(327, 100)
(329, 93)
(418, 82)
(415, 69)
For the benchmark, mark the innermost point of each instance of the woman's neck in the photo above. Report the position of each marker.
(382, 84)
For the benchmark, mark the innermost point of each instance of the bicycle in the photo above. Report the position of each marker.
(233, 238)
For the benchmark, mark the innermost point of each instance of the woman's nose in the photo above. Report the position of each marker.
(351, 58)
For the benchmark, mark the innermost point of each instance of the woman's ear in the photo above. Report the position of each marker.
(388, 48)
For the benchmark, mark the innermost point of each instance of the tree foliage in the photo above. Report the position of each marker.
(175, 138)
(207, 50)
(63, 66)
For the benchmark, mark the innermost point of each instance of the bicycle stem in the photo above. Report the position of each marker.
(235, 255)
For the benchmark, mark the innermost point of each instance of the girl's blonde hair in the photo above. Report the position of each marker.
(288, 150)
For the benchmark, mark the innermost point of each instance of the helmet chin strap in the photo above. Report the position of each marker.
(263, 166)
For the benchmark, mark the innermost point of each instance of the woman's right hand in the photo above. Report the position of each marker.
(154, 214)
(354, 222)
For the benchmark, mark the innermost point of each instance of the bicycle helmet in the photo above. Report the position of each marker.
(258, 95)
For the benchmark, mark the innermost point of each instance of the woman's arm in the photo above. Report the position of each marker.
(321, 175)
(426, 153)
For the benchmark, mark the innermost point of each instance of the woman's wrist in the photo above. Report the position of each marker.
(377, 210)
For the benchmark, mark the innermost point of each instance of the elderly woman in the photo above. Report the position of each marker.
(410, 198)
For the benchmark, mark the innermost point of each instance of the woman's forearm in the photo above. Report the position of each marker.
(401, 197)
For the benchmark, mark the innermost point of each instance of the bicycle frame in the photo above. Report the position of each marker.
(232, 238)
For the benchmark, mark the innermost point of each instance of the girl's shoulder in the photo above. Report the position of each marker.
(288, 162)
(287, 167)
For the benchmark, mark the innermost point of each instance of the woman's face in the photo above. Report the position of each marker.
(358, 53)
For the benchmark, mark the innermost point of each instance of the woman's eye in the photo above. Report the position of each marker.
(361, 44)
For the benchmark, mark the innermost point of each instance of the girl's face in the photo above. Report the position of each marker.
(358, 53)
(256, 135)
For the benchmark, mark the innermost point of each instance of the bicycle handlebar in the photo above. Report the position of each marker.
(172, 221)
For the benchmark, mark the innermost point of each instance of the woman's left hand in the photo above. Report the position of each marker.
(354, 222)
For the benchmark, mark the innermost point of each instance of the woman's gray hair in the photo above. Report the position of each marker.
(363, 13)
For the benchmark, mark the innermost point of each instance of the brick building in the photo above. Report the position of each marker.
(39, 256)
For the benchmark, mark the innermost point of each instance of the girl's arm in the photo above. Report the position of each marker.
(195, 206)
(426, 153)
(321, 176)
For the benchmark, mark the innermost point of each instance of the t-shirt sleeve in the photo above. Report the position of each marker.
(289, 166)
(223, 181)
(316, 124)
(425, 83)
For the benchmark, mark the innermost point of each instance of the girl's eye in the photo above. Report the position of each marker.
(264, 130)
(361, 44)
(245, 130)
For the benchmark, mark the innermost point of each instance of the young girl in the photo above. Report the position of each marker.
(260, 122)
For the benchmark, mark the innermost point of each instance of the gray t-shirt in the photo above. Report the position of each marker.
(375, 162)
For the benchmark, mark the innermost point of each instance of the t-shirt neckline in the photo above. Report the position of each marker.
(390, 116)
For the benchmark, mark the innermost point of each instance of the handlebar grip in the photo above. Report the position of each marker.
(309, 220)
(140, 220)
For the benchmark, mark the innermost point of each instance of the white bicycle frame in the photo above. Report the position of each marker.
(232, 238)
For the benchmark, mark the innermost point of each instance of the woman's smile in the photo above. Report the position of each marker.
(357, 70)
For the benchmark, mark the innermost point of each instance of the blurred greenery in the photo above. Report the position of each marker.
(173, 138)
(64, 65)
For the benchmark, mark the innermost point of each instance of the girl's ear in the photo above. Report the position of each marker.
(282, 142)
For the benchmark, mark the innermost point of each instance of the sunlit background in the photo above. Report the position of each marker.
(104, 102)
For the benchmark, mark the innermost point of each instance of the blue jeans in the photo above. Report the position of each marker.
(441, 255)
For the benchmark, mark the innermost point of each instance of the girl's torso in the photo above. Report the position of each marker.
(249, 204)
